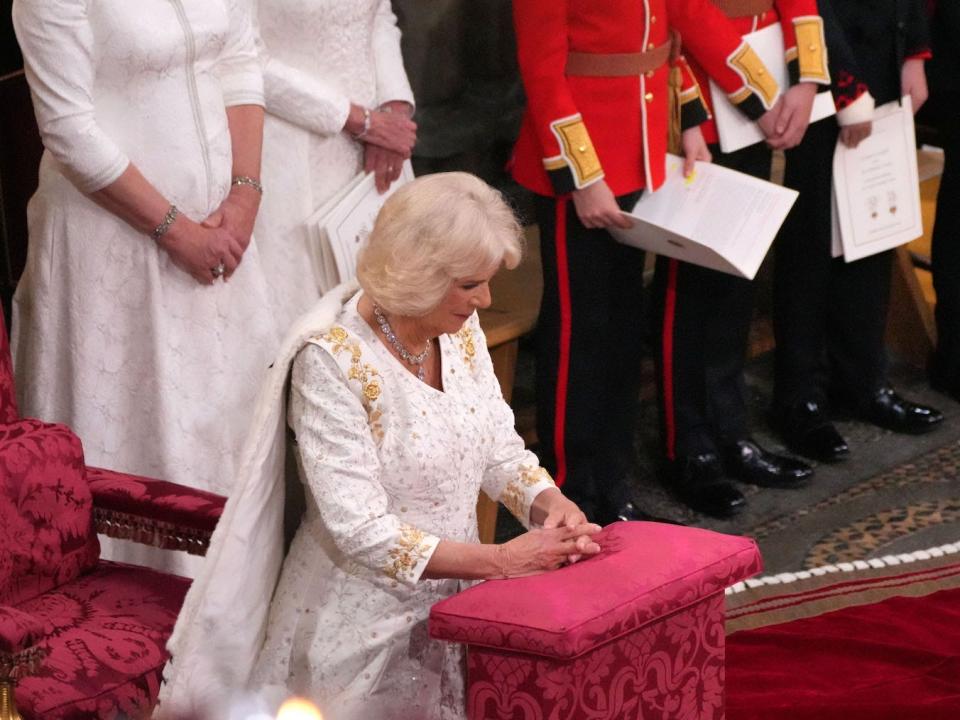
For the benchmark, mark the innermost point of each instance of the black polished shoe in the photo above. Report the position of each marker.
(888, 410)
(629, 511)
(699, 483)
(806, 430)
(750, 463)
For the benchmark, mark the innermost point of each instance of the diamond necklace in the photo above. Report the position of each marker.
(408, 357)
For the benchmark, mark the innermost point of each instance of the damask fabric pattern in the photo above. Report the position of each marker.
(318, 56)
(18, 631)
(151, 511)
(636, 631)
(104, 646)
(391, 466)
(155, 372)
(669, 670)
(46, 535)
(8, 398)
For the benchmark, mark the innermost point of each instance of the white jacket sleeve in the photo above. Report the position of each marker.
(513, 475)
(392, 82)
(298, 97)
(58, 55)
(238, 68)
(342, 470)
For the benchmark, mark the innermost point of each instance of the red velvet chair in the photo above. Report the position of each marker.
(81, 637)
(636, 632)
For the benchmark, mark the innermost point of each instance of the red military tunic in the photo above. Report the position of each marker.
(579, 129)
(803, 41)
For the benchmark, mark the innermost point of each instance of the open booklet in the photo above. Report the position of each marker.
(717, 218)
(876, 187)
(338, 229)
(735, 129)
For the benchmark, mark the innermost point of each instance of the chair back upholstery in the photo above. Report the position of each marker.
(8, 398)
(47, 536)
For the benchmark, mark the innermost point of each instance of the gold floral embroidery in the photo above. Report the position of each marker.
(364, 373)
(409, 550)
(467, 344)
(514, 495)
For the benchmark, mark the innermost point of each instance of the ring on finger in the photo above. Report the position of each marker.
(218, 270)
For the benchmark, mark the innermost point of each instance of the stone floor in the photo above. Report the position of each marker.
(894, 494)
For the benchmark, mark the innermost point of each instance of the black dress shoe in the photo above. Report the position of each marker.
(806, 430)
(888, 410)
(750, 463)
(629, 511)
(699, 483)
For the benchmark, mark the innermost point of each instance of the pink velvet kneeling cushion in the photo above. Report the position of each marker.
(644, 572)
(636, 632)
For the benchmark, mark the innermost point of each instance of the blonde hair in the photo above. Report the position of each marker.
(431, 231)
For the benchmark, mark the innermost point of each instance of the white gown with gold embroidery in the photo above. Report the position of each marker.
(391, 467)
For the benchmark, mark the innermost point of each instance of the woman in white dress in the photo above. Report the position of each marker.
(338, 102)
(125, 327)
(400, 423)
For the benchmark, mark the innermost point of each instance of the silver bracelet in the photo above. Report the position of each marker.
(161, 229)
(247, 180)
(366, 125)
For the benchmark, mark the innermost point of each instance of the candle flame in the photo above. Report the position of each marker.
(299, 709)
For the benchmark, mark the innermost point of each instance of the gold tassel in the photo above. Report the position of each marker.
(674, 88)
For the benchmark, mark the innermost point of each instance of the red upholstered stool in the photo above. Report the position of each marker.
(635, 632)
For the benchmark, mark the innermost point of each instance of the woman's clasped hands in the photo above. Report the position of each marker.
(564, 536)
(214, 248)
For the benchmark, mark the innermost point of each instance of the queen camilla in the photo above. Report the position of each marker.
(399, 424)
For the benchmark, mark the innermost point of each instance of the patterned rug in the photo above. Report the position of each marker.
(895, 494)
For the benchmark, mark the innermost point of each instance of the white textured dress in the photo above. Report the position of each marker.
(156, 373)
(318, 56)
(391, 467)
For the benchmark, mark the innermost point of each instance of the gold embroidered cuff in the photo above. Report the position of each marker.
(748, 65)
(576, 151)
(410, 554)
(520, 492)
(811, 50)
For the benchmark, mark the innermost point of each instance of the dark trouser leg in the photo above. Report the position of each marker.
(946, 259)
(588, 354)
(859, 297)
(803, 270)
(704, 322)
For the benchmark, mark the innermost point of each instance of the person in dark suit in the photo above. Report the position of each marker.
(829, 315)
(943, 72)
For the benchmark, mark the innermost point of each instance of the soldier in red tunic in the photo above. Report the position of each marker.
(704, 315)
(594, 136)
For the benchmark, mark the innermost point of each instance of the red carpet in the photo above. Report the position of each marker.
(870, 644)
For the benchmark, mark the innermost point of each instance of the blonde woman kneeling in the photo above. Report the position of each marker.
(400, 423)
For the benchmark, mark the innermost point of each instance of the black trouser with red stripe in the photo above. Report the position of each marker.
(702, 341)
(589, 342)
(829, 316)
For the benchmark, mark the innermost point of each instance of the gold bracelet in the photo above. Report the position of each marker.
(246, 180)
(161, 229)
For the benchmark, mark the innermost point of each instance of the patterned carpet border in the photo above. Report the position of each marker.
(775, 599)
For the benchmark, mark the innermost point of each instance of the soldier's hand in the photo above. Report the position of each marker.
(853, 135)
(791, 124)
(694, 148)
(597, 207)
(913, 82)
(768, 121)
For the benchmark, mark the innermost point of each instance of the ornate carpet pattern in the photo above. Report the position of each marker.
(896, 494)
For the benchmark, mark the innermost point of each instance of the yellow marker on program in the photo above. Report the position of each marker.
(688, 180)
